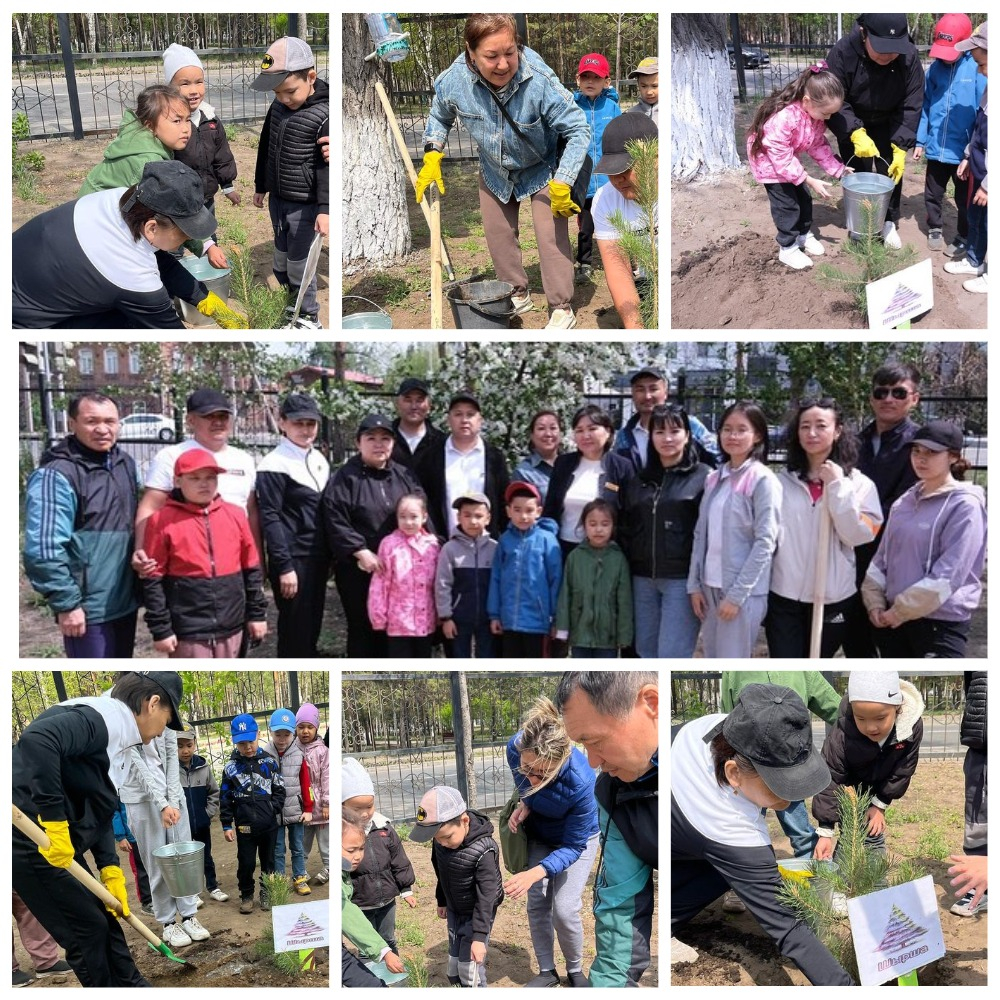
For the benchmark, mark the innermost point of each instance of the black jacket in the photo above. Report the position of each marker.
(385, 870)
(208, 152)
(887, 97)
(469, 881)
(659, 513)
(401, 453)
(252, 793)
(359, 506)
(617, 471)
(890, 470)
(430, 470)
(974, 716)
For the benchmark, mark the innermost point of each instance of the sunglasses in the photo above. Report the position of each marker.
(883, 392)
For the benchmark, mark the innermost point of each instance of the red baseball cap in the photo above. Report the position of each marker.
(520, 488)
(194, 460)
(595, 63)
(951, 28)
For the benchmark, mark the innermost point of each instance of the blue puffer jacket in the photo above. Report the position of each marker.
(525, 578)
(599, 111)
(534, 98)
(952, 92)
(563, 813)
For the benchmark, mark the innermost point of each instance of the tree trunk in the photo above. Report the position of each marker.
(703, 133)
(376, 227)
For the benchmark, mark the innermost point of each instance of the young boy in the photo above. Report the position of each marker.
(463, 580)
(953, 89)
(647, 79)
(208, 585)
(526, 574)
(125, 840)
(385, 871)
(875, 744)
(298, 808)
(469, 888)
(252, 797)
(291, 168)
(318, 758)
(201, 791)
(599, 102)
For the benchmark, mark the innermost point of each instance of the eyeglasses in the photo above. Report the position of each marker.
(529, 773)
(897, 392)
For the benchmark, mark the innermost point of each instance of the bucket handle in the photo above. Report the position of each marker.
(363, 299)
(490, 315)
(853, 156)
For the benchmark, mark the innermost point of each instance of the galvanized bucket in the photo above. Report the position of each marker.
(213, 279)
(862, 189)
(182, 866)
(380, 320)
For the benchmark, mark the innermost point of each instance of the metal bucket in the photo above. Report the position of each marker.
(213, 279)
(482, 305)
(866, 188)
(182, 866)
(380, 320)
(801, 870)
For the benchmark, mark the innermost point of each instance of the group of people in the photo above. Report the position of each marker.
(122, 769)
(110, 259)
(872, 94)
(567, 818)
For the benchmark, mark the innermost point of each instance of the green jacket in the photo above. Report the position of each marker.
(125, 157)
(595, 600)
(355, 926)
(819, 696)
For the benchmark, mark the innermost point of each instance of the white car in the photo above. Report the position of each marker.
(146, 427)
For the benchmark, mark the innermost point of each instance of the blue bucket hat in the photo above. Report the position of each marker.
(243, 728)
(281, 719)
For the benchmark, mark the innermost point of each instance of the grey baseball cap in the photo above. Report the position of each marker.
(440, 805)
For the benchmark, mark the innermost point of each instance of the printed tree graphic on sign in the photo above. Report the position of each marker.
(304, 927)
(900, 932)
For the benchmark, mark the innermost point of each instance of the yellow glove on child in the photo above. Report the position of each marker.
(213, 306)
(898, 162)
(562, 203)
(113, 879)
(430, 173)
(864, 145)
(60, 851)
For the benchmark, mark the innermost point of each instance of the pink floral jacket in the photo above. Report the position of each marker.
(401, 597)
(787, 134)
(317, 757)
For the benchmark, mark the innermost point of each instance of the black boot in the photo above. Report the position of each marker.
(577, 979)
(547, 977)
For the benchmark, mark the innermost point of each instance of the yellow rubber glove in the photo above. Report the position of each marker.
(60, 851)
(562, 202)
(430, 173)
(213, 306)
(864, 146)
(113, 879)
(898, 162)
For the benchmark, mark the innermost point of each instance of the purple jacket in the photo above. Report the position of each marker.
(787, 134)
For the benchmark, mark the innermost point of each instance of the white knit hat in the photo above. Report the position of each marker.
(177, 57)
(354, 780)
(879, 686)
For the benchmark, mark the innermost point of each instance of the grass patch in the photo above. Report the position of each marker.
(394, 291)
(47, 653)
(933, 844)
(409, 934)
(403, 829)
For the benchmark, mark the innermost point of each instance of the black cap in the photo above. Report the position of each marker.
(169, 682)
(413, 385)
(299, 406)
(939, 435)
(174, 189)
(464, 397)
(615, 158)
(887, 32)
(203, 401)
(374, 422)
(772, 728)
(648, 372)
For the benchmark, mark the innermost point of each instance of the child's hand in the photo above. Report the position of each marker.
(230, 835)
(257, 630)
(962, 171)
(306, 818)
(918, 152)
(258, 200)
(325, 812)
(478, 951)
(124, 845)
(142, 565)
(442, 913)
(698, 605)
(821, 188)
(847, 170)
(169, 816)
(449, 629)
(979, 198)
(289, 584)
(971, 875)
(322, 224)
(168, 645)
(324, 142)
(728, 611)
(233, 196)
(411, 901)
(393, 962)
(217, 258)
(876, 821)
(367, 561)
(824, 849)
(495, 627)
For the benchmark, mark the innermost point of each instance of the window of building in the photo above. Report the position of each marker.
(85, 359)
(110, 361)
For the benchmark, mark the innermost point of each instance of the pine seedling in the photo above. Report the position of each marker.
(264, 307)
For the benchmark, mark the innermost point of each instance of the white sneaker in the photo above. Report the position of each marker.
(810, 244)
(979, 285)
(794, 257)
(199, 902)
(561, 319)
(174, 936)
(522, 303)
(890, 236)
(194, 930)
(219, 896)
(962, 266)
(322, 877)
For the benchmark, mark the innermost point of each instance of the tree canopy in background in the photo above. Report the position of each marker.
(821, 29)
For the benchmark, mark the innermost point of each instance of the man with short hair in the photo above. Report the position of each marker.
(79, 513)
(412, 429)
(614, 715)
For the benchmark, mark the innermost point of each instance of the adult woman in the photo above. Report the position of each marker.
(359, 510)
(496, 69)
(819, 481)
(592, 471)
(544, 441)
(103, 260)
(557, 807)
(923, 585)
(735, 537)
(726, 770)
(659, 514)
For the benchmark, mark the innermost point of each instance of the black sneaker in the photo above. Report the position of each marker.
(52, 970)
(265, 903)
(547, 977)
(956, 248)
(577, 978)
(21, 979)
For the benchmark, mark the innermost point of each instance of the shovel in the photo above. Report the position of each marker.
(38, 835)
(312, 262)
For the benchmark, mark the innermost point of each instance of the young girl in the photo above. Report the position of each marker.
(735, 536)
(318, 758)
(790, 122)
(160, 125)
(401, 596)
(595, 601)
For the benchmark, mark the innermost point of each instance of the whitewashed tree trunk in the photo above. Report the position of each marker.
(375, 227)
(702, 123)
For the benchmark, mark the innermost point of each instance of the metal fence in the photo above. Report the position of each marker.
(75, 74)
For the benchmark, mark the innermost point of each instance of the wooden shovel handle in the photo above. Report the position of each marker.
(34, 832)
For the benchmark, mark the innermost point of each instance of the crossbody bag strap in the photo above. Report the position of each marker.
(513, 124)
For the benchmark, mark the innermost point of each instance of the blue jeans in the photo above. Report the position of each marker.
(295, 834)
(665, 623)
(976, 249)
(461, 646)
(795, 822)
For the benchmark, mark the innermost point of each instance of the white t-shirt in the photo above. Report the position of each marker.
(606, 202)
(584, 488)
(464, 472)
(235, 484)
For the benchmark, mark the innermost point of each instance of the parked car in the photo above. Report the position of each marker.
(146, 427)
(753, 56)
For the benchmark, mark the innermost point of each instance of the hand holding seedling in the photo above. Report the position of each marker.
(394, 963)
(876, 821)
(824, 849)
(217, 258)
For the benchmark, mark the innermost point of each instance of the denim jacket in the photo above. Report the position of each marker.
(543, 109)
